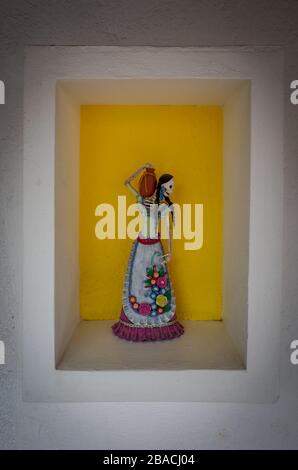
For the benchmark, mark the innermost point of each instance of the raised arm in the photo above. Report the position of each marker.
(127, 182)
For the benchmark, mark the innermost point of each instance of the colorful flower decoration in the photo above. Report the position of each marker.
(162, 281)
(144, 309)
(159, 295)
(161, 300)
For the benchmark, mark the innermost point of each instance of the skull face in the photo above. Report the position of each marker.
(168, 187)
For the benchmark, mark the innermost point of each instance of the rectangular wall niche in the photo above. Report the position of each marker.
(231, 356)
(216, 114)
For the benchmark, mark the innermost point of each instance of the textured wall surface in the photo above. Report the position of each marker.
(139, 425)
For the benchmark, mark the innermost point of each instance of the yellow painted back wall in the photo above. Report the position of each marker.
(185, 141)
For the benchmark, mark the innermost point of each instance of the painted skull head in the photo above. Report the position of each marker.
(168, 187)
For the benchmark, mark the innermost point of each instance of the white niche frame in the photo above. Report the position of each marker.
(251, 316)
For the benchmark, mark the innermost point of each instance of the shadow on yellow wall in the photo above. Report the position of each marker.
(185, 141)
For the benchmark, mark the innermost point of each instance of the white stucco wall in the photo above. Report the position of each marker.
(237, 149)
(122, 425)
(67, 271)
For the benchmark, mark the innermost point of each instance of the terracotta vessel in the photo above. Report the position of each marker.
(148, 182)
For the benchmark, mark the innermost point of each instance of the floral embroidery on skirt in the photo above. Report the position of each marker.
(149, 303)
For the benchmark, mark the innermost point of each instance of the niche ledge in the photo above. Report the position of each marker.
(205, 345)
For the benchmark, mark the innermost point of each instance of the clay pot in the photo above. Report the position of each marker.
(147, 183)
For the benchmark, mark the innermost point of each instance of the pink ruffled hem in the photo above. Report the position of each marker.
(133, 333)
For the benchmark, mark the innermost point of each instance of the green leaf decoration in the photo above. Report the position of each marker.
(168, 295)
(149, 271)
(161, 271)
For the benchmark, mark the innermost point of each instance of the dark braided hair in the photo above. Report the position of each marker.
(162, 180)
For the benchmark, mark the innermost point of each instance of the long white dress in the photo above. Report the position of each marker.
(148, 301)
